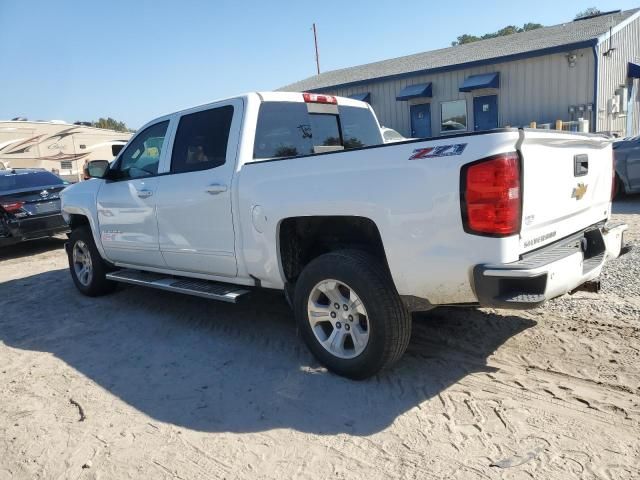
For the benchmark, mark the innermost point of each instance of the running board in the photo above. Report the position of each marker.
(188, 286)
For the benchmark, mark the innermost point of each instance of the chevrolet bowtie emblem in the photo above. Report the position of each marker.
(579, 191)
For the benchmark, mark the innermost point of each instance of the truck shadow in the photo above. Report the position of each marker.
(214, 367)
(626, 205)
(31, 247)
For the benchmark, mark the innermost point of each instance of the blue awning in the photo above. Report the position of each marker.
(634, 70)
(415, 91)
(363, 97)
(486, 80)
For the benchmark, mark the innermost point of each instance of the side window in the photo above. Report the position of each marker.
(116, 149)
(142, 156)
(201, 140)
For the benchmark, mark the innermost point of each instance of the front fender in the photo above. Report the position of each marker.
(81, 199)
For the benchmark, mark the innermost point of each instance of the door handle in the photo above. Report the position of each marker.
(216, 188)
(144, 193)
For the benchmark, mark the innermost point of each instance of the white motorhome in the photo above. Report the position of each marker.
(57, 146)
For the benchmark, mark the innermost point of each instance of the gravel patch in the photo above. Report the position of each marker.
(619, 297)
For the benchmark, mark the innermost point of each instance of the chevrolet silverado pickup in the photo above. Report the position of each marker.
(298, 192)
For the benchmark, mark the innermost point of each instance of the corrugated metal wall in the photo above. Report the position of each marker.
(612, 73)
(537, 89)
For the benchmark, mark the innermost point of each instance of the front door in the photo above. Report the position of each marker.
(127, 201)
(421, 120)
(485, 112)
(195, 219)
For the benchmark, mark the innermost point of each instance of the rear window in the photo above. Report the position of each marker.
(359, 128)
(21, 180)
(289, 130)
(116, 149)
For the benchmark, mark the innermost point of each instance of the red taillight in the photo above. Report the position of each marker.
(316, 98)
(12, 207)
(491, 203)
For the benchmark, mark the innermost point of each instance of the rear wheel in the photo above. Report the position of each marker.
(350, 315)
(88, 269)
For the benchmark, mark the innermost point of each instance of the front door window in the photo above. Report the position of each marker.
(142, 156)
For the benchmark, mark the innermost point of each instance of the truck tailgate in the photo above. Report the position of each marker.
(566, 185)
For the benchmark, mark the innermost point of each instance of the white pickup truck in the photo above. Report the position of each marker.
(297, 192)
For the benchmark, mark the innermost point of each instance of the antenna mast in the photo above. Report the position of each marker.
(315, 39)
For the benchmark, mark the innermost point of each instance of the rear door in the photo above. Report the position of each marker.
(566, 185)
(195, 221)
(127, 202)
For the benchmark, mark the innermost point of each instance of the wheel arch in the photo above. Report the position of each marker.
(78, 220)
(301, 239)
(79, 216)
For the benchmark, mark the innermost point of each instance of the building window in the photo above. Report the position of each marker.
(454, 116)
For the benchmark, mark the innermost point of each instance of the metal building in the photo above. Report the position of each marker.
(584, 69)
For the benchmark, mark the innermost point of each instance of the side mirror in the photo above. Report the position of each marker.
(97, 168)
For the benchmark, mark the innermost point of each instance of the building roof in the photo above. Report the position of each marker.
(575, 34)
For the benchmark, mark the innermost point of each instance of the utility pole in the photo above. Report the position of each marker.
(315, 39)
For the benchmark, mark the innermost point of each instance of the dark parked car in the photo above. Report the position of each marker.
(29, 205)
(627, 154)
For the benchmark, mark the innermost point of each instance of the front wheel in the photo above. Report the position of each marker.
(350, 315)
(88, 269)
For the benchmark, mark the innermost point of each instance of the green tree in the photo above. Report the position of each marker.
(462, 39)
(111, 124)
(531, 26)
(588, 12)
(508, 30)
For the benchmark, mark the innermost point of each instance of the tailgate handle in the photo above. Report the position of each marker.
(580, 165)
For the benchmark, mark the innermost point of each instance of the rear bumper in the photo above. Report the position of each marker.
(548, 272)
(31, 228)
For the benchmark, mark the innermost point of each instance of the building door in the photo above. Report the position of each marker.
(421, 120)
(485, 112)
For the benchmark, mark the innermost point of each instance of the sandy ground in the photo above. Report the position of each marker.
(180, 387)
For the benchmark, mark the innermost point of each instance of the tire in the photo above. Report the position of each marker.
(95, 283)
(385, 323)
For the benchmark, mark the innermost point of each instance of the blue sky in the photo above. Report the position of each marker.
(134, 60)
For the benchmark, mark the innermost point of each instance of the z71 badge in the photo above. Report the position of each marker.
(441, 151)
